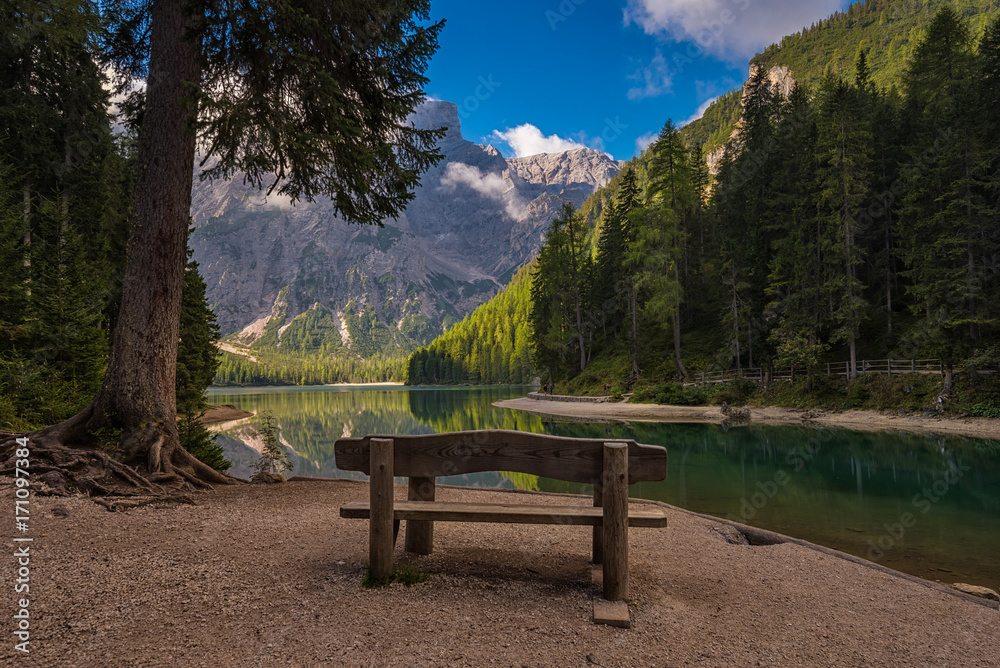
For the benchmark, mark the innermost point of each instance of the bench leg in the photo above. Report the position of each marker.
(598, 531)
(615, 521)
(380, 536)
(420, 533)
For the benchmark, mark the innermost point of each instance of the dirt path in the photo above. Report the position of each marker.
(270, 576)
(860, 420)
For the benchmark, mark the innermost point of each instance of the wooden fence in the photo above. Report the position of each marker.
(757, 375)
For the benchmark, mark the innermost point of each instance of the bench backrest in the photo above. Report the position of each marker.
(456, 453)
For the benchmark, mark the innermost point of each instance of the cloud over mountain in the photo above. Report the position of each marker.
(728, 29)
(527, 140)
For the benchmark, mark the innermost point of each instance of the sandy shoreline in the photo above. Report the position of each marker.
(223, 414)
(850, 419)
(257, 575)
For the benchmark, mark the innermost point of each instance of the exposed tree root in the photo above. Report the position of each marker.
(121, 469)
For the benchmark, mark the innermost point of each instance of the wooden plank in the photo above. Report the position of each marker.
(420, 533)
(558, 457)
(381, 535)
(615, 521)
(612, 613)
(438, 511)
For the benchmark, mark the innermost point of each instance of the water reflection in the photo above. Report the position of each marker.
(925, 504)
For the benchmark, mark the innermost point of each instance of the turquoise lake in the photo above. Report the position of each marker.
(924, 504)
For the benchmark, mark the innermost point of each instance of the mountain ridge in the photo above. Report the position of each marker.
(475, 219)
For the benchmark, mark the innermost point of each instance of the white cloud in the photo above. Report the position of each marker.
(730, 29)
(273, 201)
(643, 142)
(527, 139)
(491, 186)
(654, 79)
(702, 108)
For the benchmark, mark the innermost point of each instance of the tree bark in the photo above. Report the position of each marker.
(139, 384)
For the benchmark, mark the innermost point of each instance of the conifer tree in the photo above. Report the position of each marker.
(797, 282)
(844, 152)
(669, 200)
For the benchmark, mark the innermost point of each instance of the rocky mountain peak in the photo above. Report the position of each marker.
(434, 114)
(582, 168)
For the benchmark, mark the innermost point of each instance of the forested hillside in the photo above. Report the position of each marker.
(847, 221)
(885, 30)
(488, 346)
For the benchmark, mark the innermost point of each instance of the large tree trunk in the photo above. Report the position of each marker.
(137, 398)
(139, 384)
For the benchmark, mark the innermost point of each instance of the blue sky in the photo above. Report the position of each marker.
(534, 76)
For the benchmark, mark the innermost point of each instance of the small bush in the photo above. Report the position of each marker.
(670, 394)
(988, 409)
(200, 442)
(274, 458)
(734, 393)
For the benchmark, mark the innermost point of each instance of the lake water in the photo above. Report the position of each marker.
(923, 504)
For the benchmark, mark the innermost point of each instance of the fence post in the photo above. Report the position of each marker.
(913, 366)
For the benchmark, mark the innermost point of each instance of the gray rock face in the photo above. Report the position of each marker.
(779, 78)
(475, 219)
(581, 168)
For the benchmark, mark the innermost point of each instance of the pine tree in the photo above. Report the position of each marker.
(844, 151)
(669, 199)
(797, 283)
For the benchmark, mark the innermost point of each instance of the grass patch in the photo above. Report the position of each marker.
(405, 574)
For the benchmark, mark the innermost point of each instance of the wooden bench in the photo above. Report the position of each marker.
(609, 466)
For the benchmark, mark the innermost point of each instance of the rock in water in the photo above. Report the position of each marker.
(981, 592)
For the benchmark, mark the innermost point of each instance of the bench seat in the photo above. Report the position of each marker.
(506, 513)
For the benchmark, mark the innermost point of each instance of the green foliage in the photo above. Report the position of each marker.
(670, 394)
(197, 363)
(201, 443)
(64, 206)
(987, 409)
(323, 97)
(311, 333)
(368, 335)
(278, 369)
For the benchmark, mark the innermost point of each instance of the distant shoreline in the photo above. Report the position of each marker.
(771, 415)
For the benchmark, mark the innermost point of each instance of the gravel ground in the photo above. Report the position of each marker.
(270, 575)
